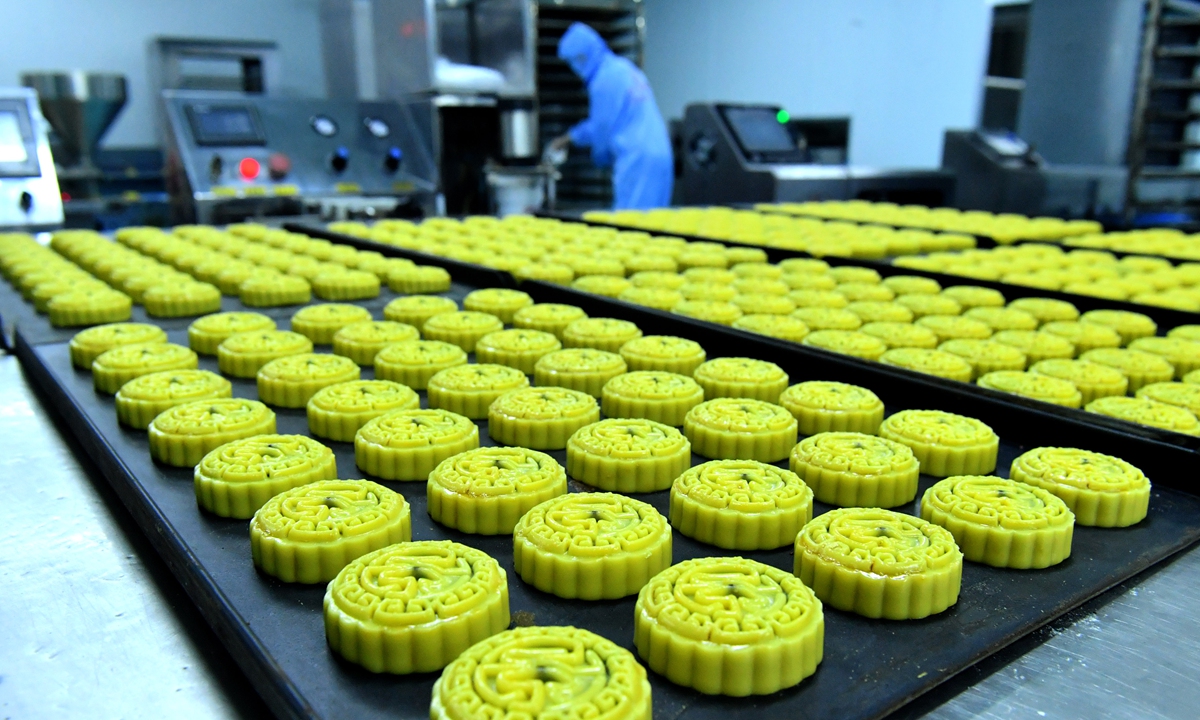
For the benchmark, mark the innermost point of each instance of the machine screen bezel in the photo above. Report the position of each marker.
(206, 137)
(734, 116)
(28, 167)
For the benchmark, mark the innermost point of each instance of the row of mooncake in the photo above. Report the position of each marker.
(1036, 347)
(540, 418)
(676, 669)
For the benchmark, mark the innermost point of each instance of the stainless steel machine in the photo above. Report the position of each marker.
(230, 158)
(235, 67)
(234, 148)
(29, 193)
(754, 153)
(466, 68)
(80, 107)
(100, 188)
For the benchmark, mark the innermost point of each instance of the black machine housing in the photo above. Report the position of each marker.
(737, 153)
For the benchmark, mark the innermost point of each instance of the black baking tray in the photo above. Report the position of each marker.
(1158, 452)
(1117, 253)
(982, 241)
(1155, 448)
(17, 313)
(275, 630)
(471, 273)
(1165, 317)
(871, 668)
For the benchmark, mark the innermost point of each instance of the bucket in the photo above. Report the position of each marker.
(519, 191)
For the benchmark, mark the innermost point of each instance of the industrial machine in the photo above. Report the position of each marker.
(230, 158)
(191, 63)
(100, 188)
(29, 194)
(999, 172)
(214, 65)
(466, 68)
(756, 153)
(235, 149)
(80, 107)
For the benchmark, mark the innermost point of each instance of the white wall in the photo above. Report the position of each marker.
(903, 70)
(112, 35)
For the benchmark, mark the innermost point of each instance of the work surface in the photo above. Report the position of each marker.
(94, 626)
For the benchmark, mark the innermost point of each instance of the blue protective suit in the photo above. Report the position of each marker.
(624, 128)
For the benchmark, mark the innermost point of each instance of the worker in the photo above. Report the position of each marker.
(624, 128)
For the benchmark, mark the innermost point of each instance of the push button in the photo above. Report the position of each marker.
(278, 166)
(391, 161)
(340, 159)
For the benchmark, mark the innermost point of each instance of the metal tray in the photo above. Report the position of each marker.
(36, 327)
(274, 629)
(1164, 317)
(1174, 260)
(1023, 420)
(1168, 447)
(984, 242)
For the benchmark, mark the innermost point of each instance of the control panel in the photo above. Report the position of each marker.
(29, 194)
(257, 149)
(762, 133)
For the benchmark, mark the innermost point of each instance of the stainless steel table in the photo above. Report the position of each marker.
(93, 626)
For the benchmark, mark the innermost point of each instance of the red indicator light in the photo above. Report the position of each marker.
(248, 168)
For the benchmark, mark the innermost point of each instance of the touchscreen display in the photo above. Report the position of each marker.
(228, 123)
(758, 130)
(225, 125)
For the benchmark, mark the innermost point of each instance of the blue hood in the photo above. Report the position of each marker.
(583, 49)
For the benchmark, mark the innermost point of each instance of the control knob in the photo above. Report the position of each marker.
(391, 161)
(340, 159)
